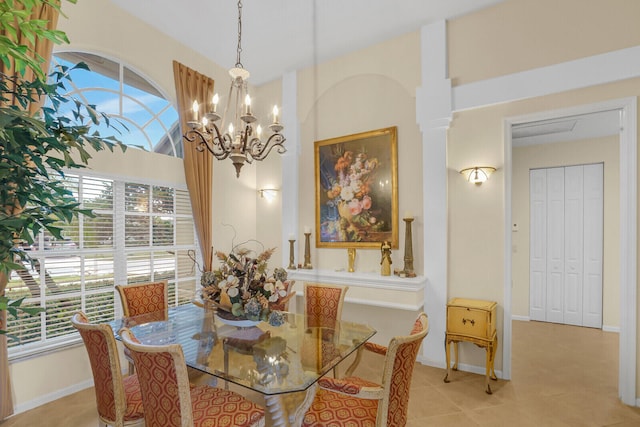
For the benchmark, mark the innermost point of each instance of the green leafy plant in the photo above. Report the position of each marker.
(35, 149)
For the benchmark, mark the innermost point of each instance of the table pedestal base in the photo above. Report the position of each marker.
(288, 409)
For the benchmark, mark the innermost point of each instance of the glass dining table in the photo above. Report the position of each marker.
(283, 363)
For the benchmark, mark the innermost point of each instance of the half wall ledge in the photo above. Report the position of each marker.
(369, 288)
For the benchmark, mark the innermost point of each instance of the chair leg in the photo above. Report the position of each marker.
(132, 368)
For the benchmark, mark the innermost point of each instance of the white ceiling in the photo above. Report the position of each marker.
(563, 129)
(284, 35)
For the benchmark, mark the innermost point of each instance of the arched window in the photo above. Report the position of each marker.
(142, 230)
(143, 116)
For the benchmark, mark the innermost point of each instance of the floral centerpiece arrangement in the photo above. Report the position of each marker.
(242, 287)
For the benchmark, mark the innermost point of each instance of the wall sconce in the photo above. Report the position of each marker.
(477, 174)
(269, 194)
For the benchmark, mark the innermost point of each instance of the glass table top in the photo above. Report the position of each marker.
(265, 358)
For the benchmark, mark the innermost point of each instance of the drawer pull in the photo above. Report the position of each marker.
(464, 321)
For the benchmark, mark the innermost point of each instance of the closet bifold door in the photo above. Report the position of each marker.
(566, 241)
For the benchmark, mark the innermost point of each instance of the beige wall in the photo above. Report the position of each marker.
(520, 35)
(515, 36)
(371, 89)
(606, 150)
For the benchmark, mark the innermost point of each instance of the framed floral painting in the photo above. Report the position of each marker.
(357, 190)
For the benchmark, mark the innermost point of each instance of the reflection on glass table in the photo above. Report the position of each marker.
(281, 362)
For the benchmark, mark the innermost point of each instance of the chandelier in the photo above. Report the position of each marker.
(241, 142)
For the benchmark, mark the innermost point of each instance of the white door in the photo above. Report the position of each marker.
(593, 245)
(555, 245)
(538, 246)
(573, 242)
(566, 217)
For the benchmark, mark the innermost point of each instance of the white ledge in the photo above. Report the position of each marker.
(370, 288)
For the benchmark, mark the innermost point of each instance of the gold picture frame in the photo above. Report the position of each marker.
(356, 183)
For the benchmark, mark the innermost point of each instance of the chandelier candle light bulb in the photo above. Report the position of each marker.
(195, 107)
(215, 101)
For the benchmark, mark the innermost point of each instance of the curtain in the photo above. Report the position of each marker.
(190, 86)
(42, 47)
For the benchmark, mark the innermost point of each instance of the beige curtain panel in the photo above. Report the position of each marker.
(43, 47)
(198, 167)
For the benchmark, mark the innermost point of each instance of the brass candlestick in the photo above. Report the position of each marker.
(408, 250)
(307, 252)
(292, 265)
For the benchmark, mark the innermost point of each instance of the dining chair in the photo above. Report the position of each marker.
(172, 402)
(323, 304)
(353, 401)
(148, 300)
(118, 398)
(323, 309)
(145, 298)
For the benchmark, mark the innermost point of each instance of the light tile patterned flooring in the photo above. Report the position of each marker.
(562, 376)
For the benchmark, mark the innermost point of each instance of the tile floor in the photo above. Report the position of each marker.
(562, 376)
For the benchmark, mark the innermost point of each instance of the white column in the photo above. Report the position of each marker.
(433, 115)
(290, 166)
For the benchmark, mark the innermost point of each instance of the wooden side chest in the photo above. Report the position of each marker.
(472, 321)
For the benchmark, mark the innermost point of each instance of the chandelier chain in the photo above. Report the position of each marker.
(238, 63)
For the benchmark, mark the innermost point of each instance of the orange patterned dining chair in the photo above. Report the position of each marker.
(149, 300)
(354, 402)
(118, 399)
(323, 309)
(172, 402)
(323, 304)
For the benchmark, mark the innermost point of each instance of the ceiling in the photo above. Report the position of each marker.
(570, 128)
(284, 35)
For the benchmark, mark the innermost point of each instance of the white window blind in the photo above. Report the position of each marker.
(140, 232)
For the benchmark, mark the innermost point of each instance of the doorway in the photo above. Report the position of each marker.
(627, 232)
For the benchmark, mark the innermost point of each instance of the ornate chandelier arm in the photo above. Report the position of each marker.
(217, 144)
(259, 150)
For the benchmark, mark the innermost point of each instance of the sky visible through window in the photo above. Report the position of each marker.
(140, 116)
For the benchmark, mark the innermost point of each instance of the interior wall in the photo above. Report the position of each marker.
(594, 150)
(520, 35)
(535, 34)
(371, 89)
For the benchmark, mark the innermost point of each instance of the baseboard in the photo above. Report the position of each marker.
(520, 318)
(41, 400)
(461, 366)
(433, 363)
(480, 370)
(615, 329)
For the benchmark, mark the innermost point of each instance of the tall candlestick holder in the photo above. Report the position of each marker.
(307, 252)
(407, 271)
(292, 264)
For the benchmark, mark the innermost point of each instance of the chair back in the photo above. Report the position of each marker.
(107, 377)
(144, 298)
(164, 382)
(323, 304)
(398, 370)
